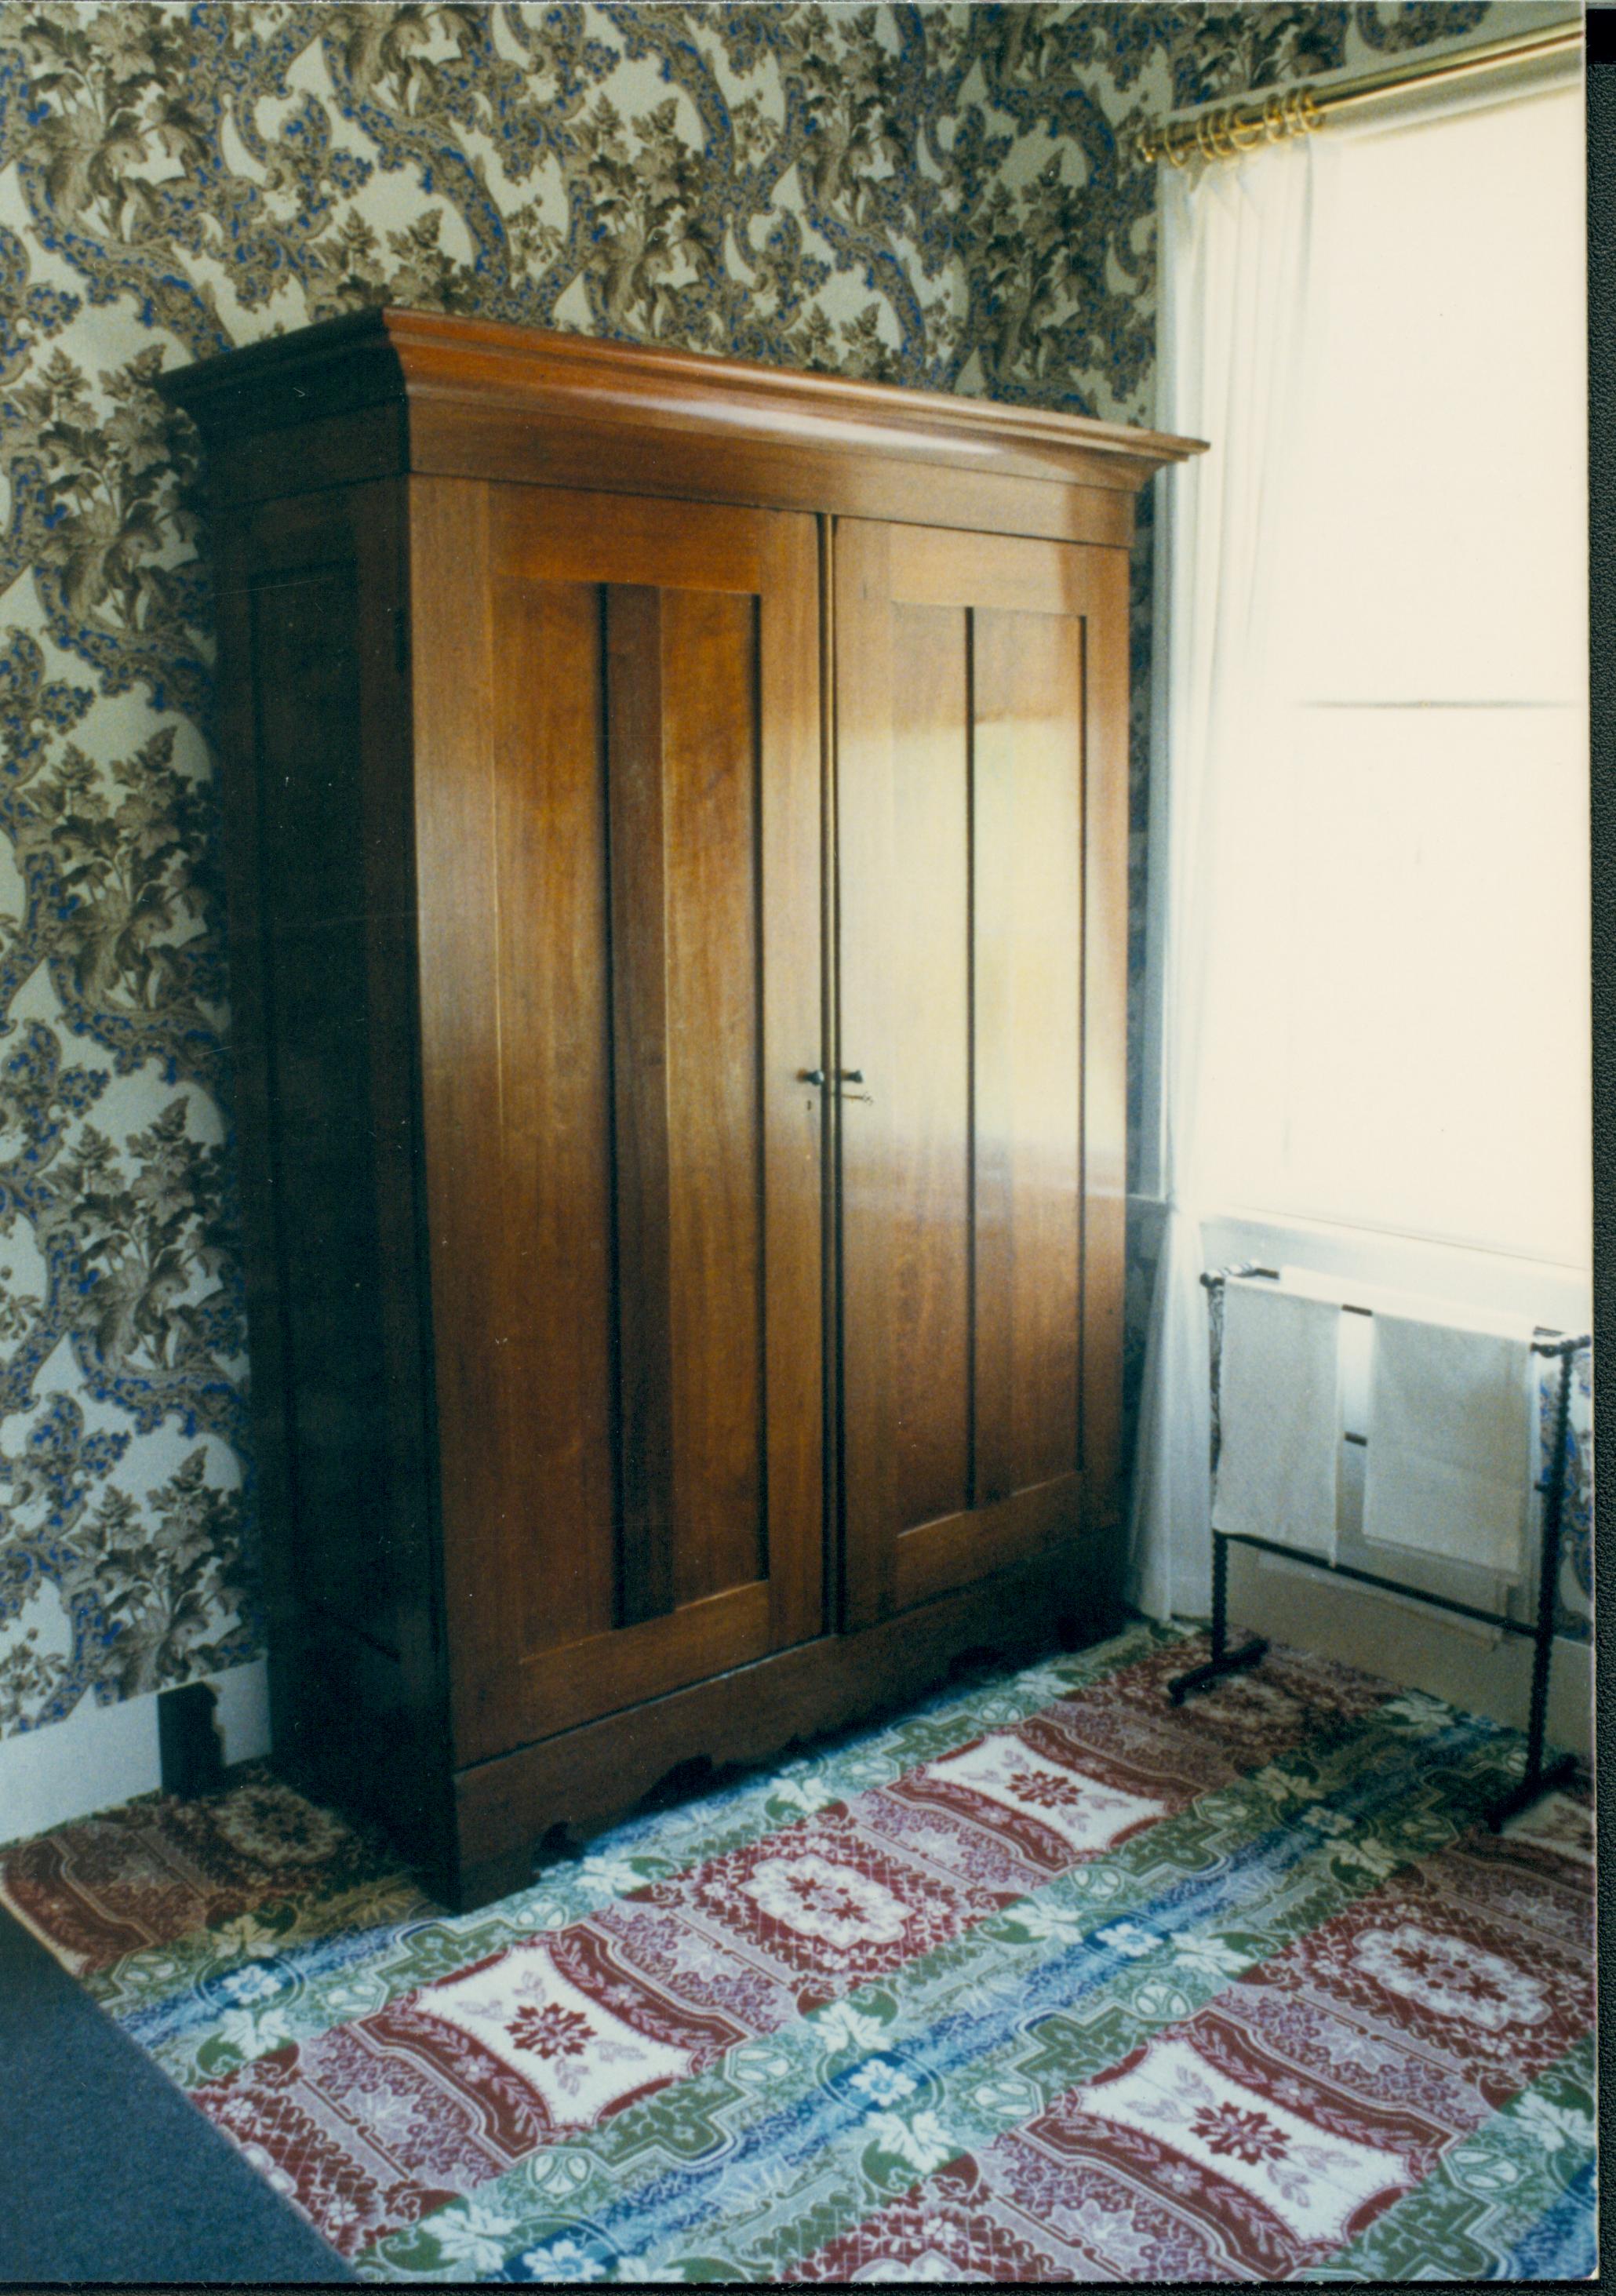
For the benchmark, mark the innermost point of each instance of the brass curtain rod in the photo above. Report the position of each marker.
(1239, 127)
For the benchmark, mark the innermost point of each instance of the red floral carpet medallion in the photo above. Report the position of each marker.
(1047, 1981)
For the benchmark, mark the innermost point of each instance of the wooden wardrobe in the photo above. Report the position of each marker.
(675, 820)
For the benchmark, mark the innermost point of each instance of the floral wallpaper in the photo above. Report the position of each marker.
(944, 195)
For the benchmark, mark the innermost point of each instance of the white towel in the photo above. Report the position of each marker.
(1418, 1307)
(1450, 1458)
(1279, 1411)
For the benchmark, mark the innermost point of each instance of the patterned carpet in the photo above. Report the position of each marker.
(1044, 1981)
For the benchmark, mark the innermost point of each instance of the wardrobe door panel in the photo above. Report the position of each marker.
(909, 1202)
(965, 716)
(627, 1267)
(1026, 939)
(715, 1248)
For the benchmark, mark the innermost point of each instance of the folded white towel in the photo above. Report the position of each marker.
(1279, 1411)
(1450, 1458)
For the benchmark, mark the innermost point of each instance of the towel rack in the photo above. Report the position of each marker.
(1540, 1777)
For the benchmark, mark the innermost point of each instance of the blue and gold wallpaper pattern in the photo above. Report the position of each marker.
(944, 195)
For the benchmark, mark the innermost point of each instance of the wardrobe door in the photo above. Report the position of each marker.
(619, 826)
(982, 809)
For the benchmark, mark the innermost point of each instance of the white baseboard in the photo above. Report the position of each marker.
(102, 1755)
(1486, 1673)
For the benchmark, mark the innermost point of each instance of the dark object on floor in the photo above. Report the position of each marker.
(189, 1747)
(111, 2175)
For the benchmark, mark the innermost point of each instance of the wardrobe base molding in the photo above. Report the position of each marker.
(586, 1778)
(475, 1834)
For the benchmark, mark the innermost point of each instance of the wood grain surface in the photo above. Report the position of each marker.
(963, 730)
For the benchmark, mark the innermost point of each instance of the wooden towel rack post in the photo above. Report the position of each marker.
(1540, 1777)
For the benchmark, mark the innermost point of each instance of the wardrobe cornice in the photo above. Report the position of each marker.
(477, 399)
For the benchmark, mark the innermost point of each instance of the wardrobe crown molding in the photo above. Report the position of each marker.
(453, 377)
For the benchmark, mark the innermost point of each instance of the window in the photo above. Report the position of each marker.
(1398, 1004)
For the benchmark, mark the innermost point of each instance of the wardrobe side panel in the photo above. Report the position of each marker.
(315, 763)
(306, 673)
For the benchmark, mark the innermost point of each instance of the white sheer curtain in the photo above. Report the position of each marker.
(1369, 777)
(1233, 259)
(1397, 1034)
